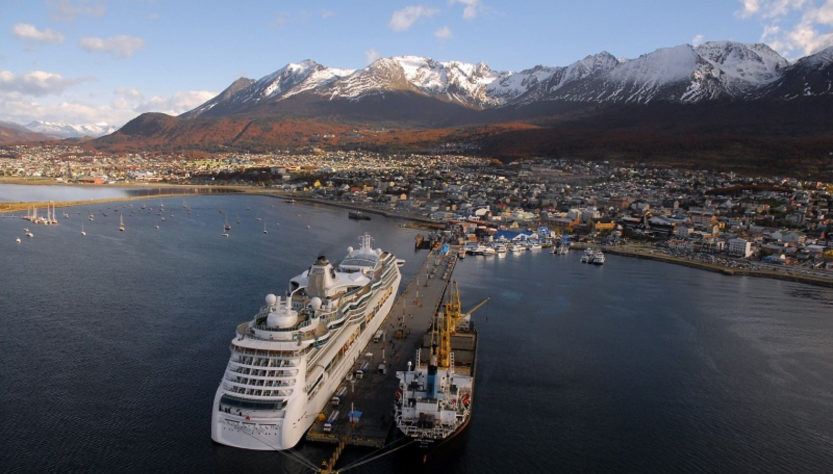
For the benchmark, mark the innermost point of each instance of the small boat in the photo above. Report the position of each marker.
(17, 240)
(121, 223)
(598, 258)
(265, 231)
(29, 234)
(83, 232)
(587, 256)
(358, 215)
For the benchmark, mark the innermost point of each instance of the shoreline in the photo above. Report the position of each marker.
(645, 253)
(418, 222)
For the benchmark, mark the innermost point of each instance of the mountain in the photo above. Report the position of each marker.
(68, 130)
(682, 74)
(12, 133)
(683, 101)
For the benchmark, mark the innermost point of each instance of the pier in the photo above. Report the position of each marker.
(368, 391)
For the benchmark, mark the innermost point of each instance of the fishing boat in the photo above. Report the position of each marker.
(287, 361)
(433, 401)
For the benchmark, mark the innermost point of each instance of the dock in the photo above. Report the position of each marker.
(372, 392)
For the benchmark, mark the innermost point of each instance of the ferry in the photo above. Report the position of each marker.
(288, 360)
(433, 401)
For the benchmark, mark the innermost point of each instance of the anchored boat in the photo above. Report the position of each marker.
(433, 401)
(287, 361)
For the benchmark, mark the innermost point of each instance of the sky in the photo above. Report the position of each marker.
(107, 61)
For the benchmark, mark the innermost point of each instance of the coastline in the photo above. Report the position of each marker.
(650, 254)
(630, 250)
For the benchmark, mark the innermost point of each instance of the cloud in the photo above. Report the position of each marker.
(697, 40)
(280, 19)
(67, 10)
(125, 105)
(402, 20)
(443, 33)
(327, 14)
(122, 46)
(370, 55)
(792, 27)
(472, 8)
(32, 35)
(35, 83)
(176, 104)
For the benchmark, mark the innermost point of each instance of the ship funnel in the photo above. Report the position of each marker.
(321, 278)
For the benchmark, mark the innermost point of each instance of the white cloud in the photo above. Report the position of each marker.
(793, 27)
(35, 83)
(128, 92)
(280, 19)
(472, 8)
(121, 46)
(697, 40)
(327, 14)
(124, 106)
(370, 56)
(402, 20)
(176, 104)
(67, 10)
(31, 35)
(443, 33)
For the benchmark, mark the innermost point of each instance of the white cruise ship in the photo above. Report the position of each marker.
(288, 360)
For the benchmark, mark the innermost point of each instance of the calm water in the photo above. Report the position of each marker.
(43, 193)
(114, 344)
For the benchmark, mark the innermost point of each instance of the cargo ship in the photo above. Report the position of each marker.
(287, 361)
(433, 401)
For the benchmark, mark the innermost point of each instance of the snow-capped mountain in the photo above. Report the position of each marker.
(285, 82)
(682, 74)
(70, 130)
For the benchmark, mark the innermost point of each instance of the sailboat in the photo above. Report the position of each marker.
(264, 229)
(121, 222)
(83, 233)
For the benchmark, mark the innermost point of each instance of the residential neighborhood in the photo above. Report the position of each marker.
(719, 217)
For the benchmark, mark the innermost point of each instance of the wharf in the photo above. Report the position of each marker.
(373, 393)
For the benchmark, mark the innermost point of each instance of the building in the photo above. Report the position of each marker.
(740, 247)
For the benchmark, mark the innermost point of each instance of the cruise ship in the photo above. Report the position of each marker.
(287, 361)
(433, 401)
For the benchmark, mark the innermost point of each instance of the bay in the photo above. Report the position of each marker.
(114, 344)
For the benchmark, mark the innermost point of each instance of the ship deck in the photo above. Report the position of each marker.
(373, 394)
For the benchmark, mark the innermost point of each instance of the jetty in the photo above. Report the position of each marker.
(361, 410)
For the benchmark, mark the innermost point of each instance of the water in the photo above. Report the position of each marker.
(114, 344)
(29, 193)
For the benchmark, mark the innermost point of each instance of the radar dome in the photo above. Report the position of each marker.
(271, 299)
(315, 303)
(282, 318)
(349, 250)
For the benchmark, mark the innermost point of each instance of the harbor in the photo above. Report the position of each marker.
(360, 413)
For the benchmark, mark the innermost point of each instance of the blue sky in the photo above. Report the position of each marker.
(87, 61)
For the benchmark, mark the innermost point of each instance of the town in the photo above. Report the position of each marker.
(767, 223)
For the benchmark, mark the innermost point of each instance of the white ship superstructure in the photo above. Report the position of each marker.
(288, 360)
